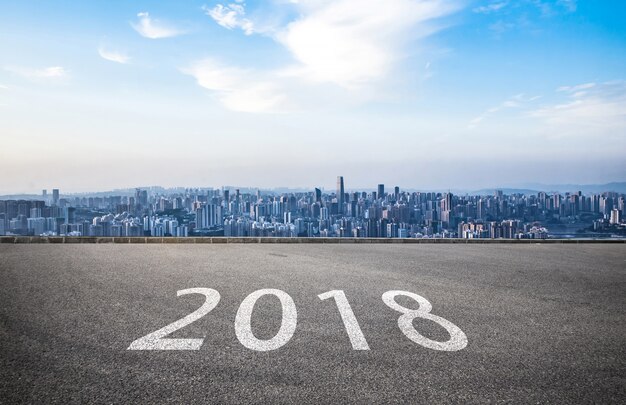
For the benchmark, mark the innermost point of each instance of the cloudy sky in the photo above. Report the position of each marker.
(98, 95)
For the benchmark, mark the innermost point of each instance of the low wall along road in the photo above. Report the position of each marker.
(221, 239)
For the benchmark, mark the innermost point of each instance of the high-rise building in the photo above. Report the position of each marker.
(208, 215)
(143, 198)
(318, 195)
(446, 202)
(615, 216)
(139, 197)
(381, 191)
(69, 214)
(340, 194)
(480, 209)
(55, 196)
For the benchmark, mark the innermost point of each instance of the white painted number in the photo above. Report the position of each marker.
(349, 320)
(457, 341)
(243, 329)
(156, 340)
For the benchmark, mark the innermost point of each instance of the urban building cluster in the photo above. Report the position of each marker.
(378, 213)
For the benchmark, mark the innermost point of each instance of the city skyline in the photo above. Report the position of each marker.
(383, 212)
(432, 94)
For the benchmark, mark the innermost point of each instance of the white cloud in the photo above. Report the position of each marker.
(52, 73)
(230, 16)
(355, 45)
(3, 87)
(490, 8)
(239, 89)
(113, 56)
(590, 109)
(354, 42)
(154, 29)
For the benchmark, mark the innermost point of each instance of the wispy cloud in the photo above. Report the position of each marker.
(490, 8)
(113, 56)
(500, 27)
(590, 108)
(517, 101)
(569, 5)
(52, 73)
(523, 14)
(577, 88)
(238, 89)
(552, 8)
(153, 28)
(230, 16)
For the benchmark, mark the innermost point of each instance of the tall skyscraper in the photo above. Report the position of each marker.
(340, 194)
(55, 196)
(446, 202)
(381, 191)
(318, 195)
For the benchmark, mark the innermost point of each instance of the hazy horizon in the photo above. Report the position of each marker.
(562, 187)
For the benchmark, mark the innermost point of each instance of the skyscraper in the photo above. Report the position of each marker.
(138, 196)
(446, 202)
(381, 191)
(340, 194)
(55, 196)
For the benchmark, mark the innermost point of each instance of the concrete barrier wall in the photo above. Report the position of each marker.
(89, 239)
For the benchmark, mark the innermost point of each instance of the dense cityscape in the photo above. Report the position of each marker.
(383, 213)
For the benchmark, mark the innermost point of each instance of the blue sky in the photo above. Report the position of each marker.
(423, 94)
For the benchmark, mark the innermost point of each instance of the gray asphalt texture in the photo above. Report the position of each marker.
(545, 323)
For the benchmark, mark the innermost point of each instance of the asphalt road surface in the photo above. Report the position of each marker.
(543, 323)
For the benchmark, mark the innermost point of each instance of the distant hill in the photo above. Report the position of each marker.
(21, 197)
(618, 187)
(505, 190)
